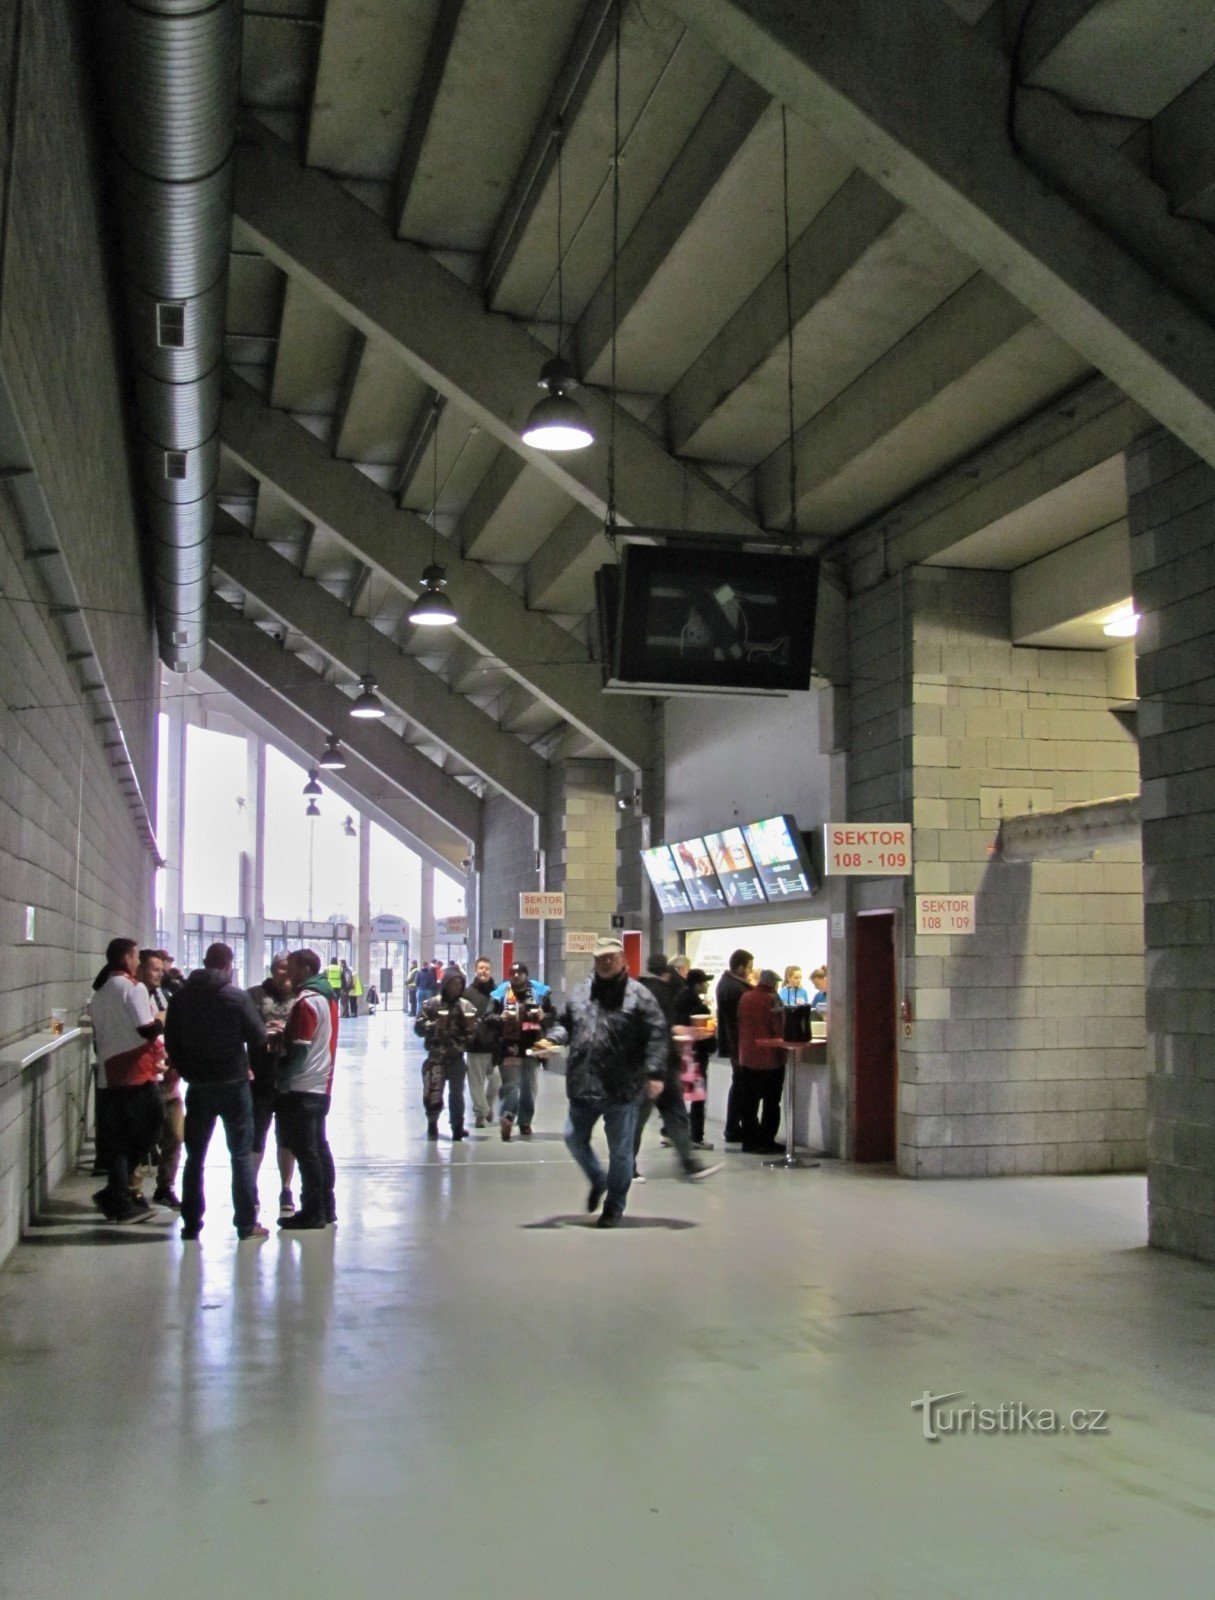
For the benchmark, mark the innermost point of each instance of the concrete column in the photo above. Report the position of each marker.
(1172, 520)
(253, 858)
(426, 929)
(581, 860)
(1025, 1052)
(172, 827)
(363, 935)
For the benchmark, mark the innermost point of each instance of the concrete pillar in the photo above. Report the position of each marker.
(426, 926)
(363, 946)
(172, 827)
(1025, 1052)
(1172, 521)
(581, 860)
(253, 859)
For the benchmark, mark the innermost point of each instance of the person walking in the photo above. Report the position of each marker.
(761, 1066)
(306, 1088)
(209, 1027)
(697, 981)
(126, 1034)
(345, 987)
(731, 987)
(482, 1074)
(675, 1002)
(521, 1016)
(448, 1023)
(273, 999)
(411, 988)
(618, 1043)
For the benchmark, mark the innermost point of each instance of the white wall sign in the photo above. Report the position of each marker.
(580, 944)
(541, 906)
(867, 849)
(386, 926)
(945, 913)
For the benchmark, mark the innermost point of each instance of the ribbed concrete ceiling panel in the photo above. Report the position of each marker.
(383, 398)
(314, 344)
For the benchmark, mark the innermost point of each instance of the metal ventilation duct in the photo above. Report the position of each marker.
(172, 71)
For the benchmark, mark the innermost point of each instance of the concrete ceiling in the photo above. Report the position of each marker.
(979, 327)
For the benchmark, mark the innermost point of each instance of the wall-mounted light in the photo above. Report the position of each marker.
(1122, 623)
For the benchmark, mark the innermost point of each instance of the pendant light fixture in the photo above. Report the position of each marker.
(558, 423)
(367, 703)
(332, 759)
(313, 787)
(313, 809)
(432, 608)
(348, 827)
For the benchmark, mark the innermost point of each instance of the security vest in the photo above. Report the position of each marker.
(357, 990)
(333, 975)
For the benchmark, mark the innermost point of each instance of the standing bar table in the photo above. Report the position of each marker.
(794, 1053)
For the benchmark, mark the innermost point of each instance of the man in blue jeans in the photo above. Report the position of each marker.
(209, 1027)
(618, 1044)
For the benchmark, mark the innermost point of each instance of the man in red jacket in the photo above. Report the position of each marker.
(761, 1065)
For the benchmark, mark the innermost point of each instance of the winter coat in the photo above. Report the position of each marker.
(730, 990)
(613, 1049)
(761, 1019)
(447, 1038)
(208, 1027)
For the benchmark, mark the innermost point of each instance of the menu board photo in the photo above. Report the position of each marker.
(735, 869)
(780, 858)
(660, 864)
(700, 880)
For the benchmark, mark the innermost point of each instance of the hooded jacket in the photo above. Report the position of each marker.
(310, 1041)
(447, 1037)
(617, 1038)
(209, 1027)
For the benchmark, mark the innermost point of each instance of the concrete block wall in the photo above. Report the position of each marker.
(1027, 1049)
(508, 865)
(581, 860)
(68, 843)
(1172, 521)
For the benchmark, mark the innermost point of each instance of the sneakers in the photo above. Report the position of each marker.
(638, 1177)
(478, 1122)
(133, 1213)
(525, 1130)
(300, 1221)
(598, 1190)
(255, 1232)
(702, 1169)
(189, 1235)
(286, 1204)
(457, 1134)
(165, 1196)
(507, 1124)
(609, 1217)
(432, 1130)
(141, 1205)
(103, 1203)
(702, 1144)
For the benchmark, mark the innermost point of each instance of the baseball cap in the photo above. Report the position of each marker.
(607, 943)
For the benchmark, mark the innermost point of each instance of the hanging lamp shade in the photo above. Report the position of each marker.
(312, 787)
(367, 704)
(432, 608)
(558, 423)
(348, 827)
(332, 759)
(313, 809)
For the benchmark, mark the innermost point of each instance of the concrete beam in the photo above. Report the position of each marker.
(1183, 150)
(851, 222)
(425, 94)
(1085, 576)
(973, 323)
(454, 809)
(1075, 433)
(1072, 833)
(731, 117)
(870, 76)
(310, 226)
(553, 664)
(420, 695)
(277, 722)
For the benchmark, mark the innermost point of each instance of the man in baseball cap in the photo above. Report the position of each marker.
(618, 1042)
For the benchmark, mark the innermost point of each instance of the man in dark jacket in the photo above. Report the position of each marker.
(480, 1058)
(731, 987)
(618, 1042)
(208, 1030)
(675, 1002)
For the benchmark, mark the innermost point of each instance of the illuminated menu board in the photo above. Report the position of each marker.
(660, 864)
(735, 869)
(780, 858)
(700, 880)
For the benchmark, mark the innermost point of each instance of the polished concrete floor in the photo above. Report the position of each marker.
(465, 1390)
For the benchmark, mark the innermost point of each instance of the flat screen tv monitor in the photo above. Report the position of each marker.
(735, 868)
(699, 877)
(705, 618)
(781, 858)
(663, 874)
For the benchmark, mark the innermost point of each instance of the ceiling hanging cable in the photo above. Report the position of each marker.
(610, 527)
(784, 139)
(367, 704)
(558, 423)
(432, 608)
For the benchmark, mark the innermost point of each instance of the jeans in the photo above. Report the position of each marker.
(301, 1121)
(437, 1072)
(232, 1104)
(132, 1120)
(675, 1125)
(760, 1091)
(519, 1089)
(481, 1075)
(620, 1124)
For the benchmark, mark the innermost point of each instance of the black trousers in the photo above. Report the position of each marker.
(733, 1106)
(760, 1093)
(674, 1112)
(301, 1124)
(132, 1122)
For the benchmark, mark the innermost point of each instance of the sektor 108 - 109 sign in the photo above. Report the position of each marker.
(867, 849)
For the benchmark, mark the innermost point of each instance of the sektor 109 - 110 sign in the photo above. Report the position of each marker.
(870, 850)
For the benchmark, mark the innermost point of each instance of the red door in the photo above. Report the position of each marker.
(632, 953)
(875, 1030)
